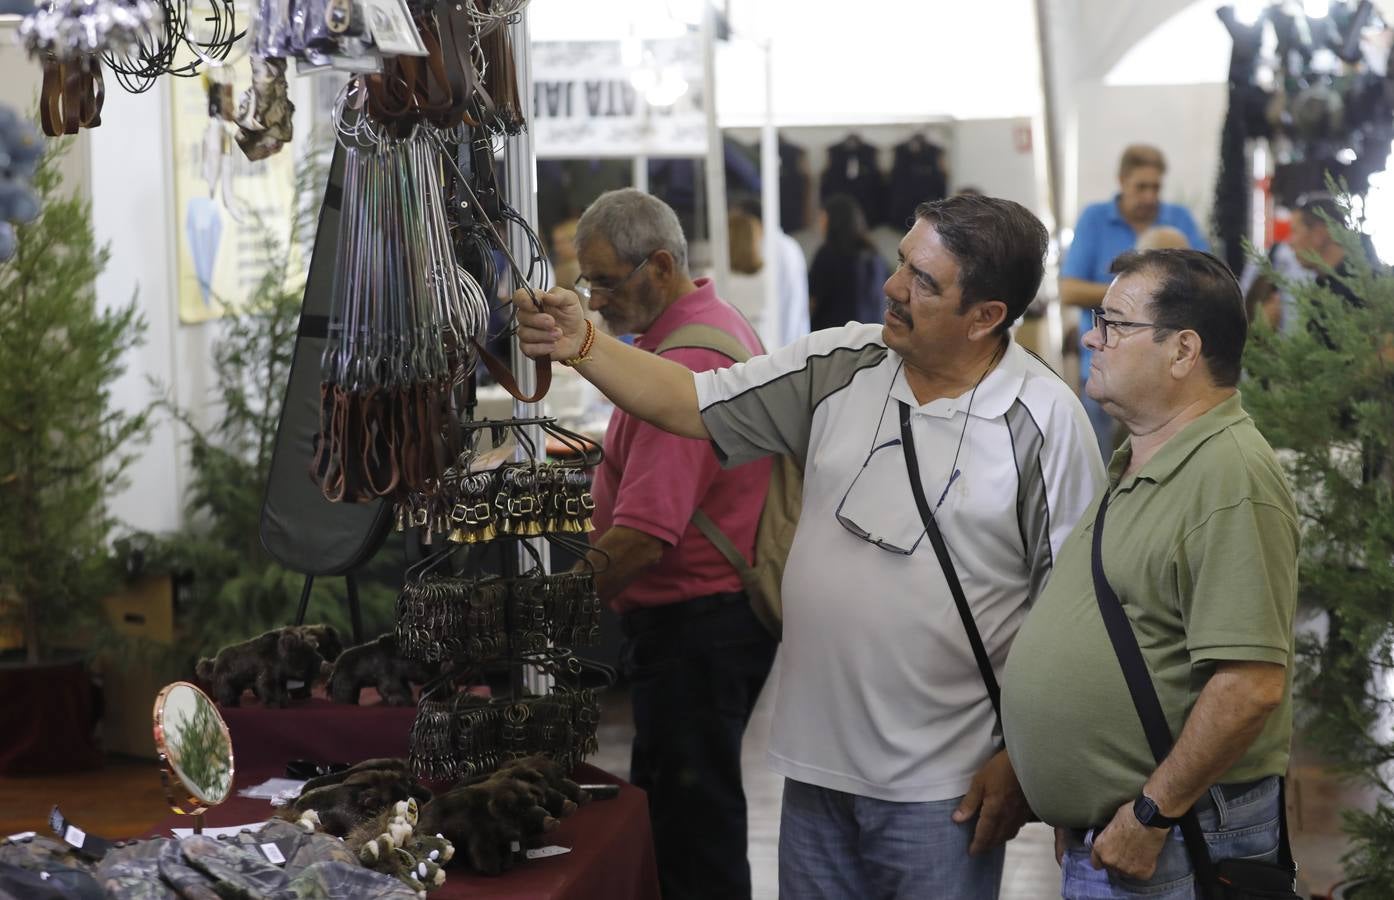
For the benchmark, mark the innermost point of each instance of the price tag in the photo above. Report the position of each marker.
(514, 846)
(75, 836)
(544, 852)
(21, 837)
(273, 853)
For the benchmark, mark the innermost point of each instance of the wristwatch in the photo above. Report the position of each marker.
(1147, 812)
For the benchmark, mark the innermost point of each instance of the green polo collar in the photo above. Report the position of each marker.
(1176, 451)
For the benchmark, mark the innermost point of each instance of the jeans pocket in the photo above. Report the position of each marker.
(1258, 842)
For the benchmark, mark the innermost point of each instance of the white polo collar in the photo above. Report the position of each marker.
(995, 395)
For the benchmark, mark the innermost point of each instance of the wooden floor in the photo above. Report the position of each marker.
(123, 799)
(126, 798)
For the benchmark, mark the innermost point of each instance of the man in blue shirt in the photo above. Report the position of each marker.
(1105, 230)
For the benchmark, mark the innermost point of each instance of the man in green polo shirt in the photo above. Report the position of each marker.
(1200, 544)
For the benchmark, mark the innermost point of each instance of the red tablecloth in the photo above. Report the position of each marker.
(611, 845)
(47, 720)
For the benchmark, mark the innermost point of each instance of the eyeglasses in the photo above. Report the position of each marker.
(1104, 323)
(584, 289)
(912, 537)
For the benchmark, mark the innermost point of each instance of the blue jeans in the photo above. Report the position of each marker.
(1238, 822)
(838, 846)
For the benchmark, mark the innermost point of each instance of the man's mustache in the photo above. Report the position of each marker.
(900, 310)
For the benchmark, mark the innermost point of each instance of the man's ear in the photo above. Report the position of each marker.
(985, 317)
(663, 264)
(1187, 354)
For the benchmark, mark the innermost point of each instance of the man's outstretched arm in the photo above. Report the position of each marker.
(642, 384)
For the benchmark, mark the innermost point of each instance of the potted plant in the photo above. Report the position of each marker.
(64, 446)
(1324, 394)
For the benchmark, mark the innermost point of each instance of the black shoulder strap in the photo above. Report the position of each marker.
(1149, 711)
(941, 550)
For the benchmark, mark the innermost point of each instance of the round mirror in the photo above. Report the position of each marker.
(193, 742)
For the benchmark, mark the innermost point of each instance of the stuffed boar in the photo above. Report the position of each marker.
(486, 818)
(344, 800)
(265, 663)
(377, 664)
(325, 639)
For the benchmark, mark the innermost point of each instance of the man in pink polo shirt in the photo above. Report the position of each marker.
(695, 654)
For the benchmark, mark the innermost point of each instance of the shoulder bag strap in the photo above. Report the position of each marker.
(1149, 710)
(941, 550)
(698, 336)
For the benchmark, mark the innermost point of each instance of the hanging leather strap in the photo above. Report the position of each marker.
(1154, 722)
(71, 95)
(941, 550)
(543, 368)
(51, 98)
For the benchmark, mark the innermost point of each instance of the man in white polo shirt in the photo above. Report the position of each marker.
(896, 783)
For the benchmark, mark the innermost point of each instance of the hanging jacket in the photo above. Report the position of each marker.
(917, 175)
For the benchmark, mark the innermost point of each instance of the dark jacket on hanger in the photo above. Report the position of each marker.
(917, 175)
(853, 170)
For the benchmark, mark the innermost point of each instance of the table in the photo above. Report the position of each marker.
(611, 856)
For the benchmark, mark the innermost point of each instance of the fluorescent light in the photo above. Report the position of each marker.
(1316, 9)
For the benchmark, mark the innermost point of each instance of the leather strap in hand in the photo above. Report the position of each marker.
(543, 368)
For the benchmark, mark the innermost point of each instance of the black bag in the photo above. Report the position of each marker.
(1230, 879)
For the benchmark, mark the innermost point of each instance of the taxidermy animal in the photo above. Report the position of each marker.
(265, 663)
(377, 664)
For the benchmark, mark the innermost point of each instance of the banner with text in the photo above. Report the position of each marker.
(586, 103)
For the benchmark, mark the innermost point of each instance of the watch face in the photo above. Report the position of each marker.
(1148, 814)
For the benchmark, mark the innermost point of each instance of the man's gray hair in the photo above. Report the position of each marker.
(636, 224)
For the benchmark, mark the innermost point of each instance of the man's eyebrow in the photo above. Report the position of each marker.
(925, 276)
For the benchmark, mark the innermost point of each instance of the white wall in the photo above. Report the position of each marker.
(133, 210)
(121, 167)
(989, 154)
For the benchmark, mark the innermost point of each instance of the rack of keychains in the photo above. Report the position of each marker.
(422, 249)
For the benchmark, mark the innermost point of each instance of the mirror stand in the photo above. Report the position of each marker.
(184, 807)
(195, 750)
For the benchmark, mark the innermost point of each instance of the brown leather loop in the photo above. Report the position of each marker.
(376, 434)
(411, 468)
(334, 482)
(434, 98)
(506, 380)
(457, 43)
(51, 98)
